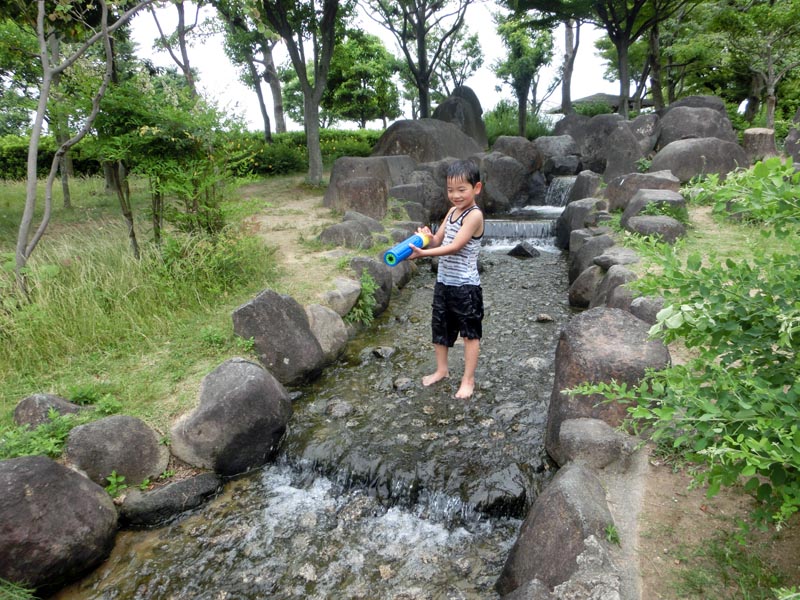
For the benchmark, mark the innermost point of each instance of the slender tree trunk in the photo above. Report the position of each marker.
(271, 77)
(422, 75)
(260, 95)
(120, 177)
(572, 36)
(624, 76)
(754, 97)
(311, 114)
(655, 69)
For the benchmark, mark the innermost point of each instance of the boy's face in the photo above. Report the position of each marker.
(462, 193)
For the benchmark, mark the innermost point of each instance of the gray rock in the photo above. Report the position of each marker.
(759, 143)
(344, 296)
(350, 234)
(328, 327)
(595, 146)
(503, 177)
(699, 101)
(791, 145)
(464, 111)
(282, 336)
(616, 276)
(103, 446)
(622, 152)
(616, 255)
(583, 288)
(372, 224)
(524, 250)
(366, 195)
(56, 524)
(569, 510)
(587, 185)
(556, 145)
(392, 170)
(620, 190)
(666, 229)
(573, 125)
(238, 424)
(646, 308)
(673, 201)
(584, 258)
(599, 345)
(699, 156)
(575, 216)
(594, 442)
(683, 122)
(521, 149)
(142, 509)
(34, 410)
(426, 140)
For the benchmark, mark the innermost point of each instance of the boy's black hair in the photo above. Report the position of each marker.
(466, 170)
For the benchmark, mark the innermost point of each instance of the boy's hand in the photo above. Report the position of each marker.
(416, 252)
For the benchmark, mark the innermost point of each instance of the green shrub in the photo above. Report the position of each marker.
(591, 109)
(502, 120)
(364, 309)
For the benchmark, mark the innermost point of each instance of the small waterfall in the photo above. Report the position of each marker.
(516, 229)
(558, 190)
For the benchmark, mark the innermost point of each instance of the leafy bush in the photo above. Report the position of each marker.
(591, 109)
(364, 309)
(502, 120)
(14, 158)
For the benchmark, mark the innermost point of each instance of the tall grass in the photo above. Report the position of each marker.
(96, 317)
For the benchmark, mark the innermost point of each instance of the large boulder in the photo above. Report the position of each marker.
(571, 509)
(646, 128)
(699, 101)
(595, 145)
(684, 122)
(365, 195)
(616, 276)
(699, 156)
(575, 216)
(586, 185)
(621, 189)
(582, 258)
(661, 227)
(791, 145)
(34, 410)
(282, 336)
(350, 234)
(55, 524)
(103, 446)
(505, 182)
(392, 170)
(672, 202)
(598, 345)
(426, 140)
(622, 152)
(329, 329)
(463, 109)
(520, 148)
(238, 424)
(344, 295)
(573, 125)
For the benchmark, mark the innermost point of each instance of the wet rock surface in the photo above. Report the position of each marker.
(371, 495)
(398, 438)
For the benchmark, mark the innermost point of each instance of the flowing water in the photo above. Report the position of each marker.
(384, 488)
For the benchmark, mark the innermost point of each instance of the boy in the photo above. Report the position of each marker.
(457, 296)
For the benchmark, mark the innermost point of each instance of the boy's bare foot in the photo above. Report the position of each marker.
(465, 391)
(434, 377)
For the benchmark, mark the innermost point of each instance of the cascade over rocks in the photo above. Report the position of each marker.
(425, 140)
(282, 336)
(103, 446)
(599, 345)
(570, 509)
(699, 156)
(241, 416)
(34, 410)
(55, 524)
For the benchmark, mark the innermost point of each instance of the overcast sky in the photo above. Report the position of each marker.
(219, 79)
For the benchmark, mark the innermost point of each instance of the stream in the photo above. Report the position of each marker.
(383, 488)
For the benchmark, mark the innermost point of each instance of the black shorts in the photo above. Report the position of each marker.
(457, 309)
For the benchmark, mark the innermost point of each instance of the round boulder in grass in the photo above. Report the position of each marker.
(55, 524)
(239, 423)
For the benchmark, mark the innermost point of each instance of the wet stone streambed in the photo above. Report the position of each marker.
(384, 488)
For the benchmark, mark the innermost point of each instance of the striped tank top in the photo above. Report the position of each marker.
(460, 268)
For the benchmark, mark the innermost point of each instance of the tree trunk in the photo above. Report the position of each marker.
(423, 76)
(311, 114)
(271, 77)
(655, 69)
(571, 42)
(624, 76)
(522, 114)
(754, 97)
(260, 95)
(120, 177)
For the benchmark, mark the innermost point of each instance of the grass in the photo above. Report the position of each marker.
(102, 324)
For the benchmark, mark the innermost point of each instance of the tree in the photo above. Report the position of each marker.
(250, 43)
(19, 78)
(460, 60)
(413, 23)
(180, 38)
(765, 35)
(360, 86)
(528, 51)
(294, 102)
(300, 23)
(46, 27)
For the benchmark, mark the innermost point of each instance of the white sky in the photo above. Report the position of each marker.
(218, 78)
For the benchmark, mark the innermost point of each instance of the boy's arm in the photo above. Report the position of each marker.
(471, 226)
